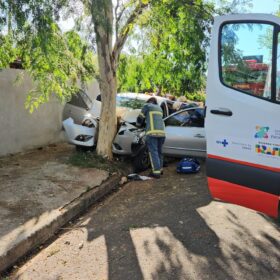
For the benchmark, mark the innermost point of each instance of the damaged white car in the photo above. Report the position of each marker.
(185, 136)
(81, 115)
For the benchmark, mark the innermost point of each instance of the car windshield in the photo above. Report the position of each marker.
(86, 98)
(129, 102)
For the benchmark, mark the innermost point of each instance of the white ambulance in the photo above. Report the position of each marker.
(243, 111)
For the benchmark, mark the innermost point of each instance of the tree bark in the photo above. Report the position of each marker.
(108, 88)
(103, 24)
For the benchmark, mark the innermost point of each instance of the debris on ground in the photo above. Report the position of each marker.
(81, 245)
(123, 180)
(137, 177)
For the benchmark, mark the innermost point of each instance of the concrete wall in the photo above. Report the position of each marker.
(20, 130)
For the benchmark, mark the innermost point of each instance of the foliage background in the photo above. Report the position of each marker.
(167, 50)
(171, 54)
(56, 61)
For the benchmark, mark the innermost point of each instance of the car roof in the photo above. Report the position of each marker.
(141, 96)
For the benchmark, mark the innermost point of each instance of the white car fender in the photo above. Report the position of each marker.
(73, 131)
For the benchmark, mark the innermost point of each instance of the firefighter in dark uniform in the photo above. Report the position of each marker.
(151, 115)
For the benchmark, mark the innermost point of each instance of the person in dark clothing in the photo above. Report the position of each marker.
(151, 116)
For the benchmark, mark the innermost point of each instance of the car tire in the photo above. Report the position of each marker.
(83, 149)
(141, 161)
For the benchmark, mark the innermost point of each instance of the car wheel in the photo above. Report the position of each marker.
(83, 149)
(141, 161)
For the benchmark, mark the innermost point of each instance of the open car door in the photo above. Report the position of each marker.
(243, 111)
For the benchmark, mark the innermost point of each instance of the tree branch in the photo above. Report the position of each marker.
(123, 34)
(116, 18)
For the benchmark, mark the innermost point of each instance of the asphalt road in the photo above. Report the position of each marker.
(162, 229)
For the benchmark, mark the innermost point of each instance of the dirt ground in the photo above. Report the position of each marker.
(161, 229)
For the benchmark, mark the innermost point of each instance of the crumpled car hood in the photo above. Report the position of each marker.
(128, 116)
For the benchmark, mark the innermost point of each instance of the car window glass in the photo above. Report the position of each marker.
(77, 100)
(86, 98)
(178, 119)
(246, 57)
(278, 71)
(196, 118)
(133, 103)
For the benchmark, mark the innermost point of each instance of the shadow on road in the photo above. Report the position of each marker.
(171, 229)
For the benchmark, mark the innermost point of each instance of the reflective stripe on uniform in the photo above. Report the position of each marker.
(153, 168)
(151, 113)
(151, 160)
(152, 127)
(156, 132)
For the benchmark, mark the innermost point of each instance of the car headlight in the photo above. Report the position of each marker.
(83, 138)
(136, 140)
(88, 123)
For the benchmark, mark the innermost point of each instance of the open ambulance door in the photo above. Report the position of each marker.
(243, 111)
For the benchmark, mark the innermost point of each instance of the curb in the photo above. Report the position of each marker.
(47, 230)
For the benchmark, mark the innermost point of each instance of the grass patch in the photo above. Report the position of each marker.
(90, 159)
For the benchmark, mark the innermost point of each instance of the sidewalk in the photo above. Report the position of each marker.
(40, 192)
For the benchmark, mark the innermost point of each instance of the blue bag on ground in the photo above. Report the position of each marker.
(188, 165)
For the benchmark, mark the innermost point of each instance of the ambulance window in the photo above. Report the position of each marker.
(278, 71)
(246, 57)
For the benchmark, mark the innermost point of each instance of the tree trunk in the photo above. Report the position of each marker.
(103, 24)
(102, 16)
(108, 120)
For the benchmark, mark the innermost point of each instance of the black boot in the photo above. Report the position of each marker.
(153, 175)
